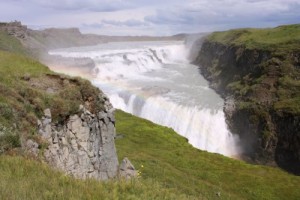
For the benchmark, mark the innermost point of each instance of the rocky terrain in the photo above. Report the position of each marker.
(257, 72)
(15, 29)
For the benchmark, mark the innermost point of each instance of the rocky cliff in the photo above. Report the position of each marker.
(83, 146)
(15, 29)
(257, 72)
(63, 121)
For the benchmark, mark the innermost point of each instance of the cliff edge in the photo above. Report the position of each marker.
(63, 121)
(257, 72)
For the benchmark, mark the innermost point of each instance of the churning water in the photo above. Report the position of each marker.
(154, 80)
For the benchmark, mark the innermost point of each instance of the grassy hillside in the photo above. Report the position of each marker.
(170, 169)
(283, 37)
(11, 44)
(22, 179)
(27, 88)
(167, 158)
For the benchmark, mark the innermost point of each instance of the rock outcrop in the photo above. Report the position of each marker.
(127, 170)
(84, 146)
(260, 88)
(15, 29)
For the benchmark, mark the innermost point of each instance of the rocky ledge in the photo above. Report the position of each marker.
(82, 147)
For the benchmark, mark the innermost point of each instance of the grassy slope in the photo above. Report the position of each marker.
(9, 43)
(28, 87)
(172, 169)
(169, 159)
(22, 179)
(282, 37)
(22, 100)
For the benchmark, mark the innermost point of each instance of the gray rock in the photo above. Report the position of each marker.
(47, 113)
(127, 170)
(83, 147)
(50, 91)
(81, 107)
(32, 147)
(111, 115)
(229, 107)
(26, 77)
(102, 115)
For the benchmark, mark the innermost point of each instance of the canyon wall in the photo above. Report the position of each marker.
(261, 89)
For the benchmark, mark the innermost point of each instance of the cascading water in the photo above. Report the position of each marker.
(154, 80)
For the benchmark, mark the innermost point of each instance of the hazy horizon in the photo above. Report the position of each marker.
(155, 18)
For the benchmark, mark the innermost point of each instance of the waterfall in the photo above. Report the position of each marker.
(155, 81)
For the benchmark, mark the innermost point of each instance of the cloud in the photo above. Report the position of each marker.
(89, 5)
(155, 16)
(230, 13)
(130, 23)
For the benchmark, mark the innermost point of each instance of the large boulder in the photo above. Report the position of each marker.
(83, 146)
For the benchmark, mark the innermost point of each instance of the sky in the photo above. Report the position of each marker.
(150, 17)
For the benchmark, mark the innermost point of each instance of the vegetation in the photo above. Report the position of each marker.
(282, 37)
(170, 169)
(28, 87)
(22, 179)
(280, 71)
(11, 44)
(168, 158)
(260, 70)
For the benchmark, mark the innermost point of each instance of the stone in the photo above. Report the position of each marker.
(32, 147)
(75, 145)
(50, 91)
(111, 115)
(81, 107)
(127, 170)
(102, 115)
(26, 77)
(47, 113)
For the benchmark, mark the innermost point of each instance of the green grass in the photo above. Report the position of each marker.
(13, 67)
(23, 101)
(170, 169)
(282, 37)
(11, 44)
(24, 179)
(170, 160)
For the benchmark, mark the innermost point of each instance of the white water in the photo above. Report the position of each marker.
(153, 80)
